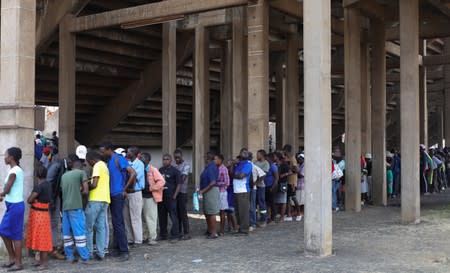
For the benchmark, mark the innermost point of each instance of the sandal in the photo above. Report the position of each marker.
(41, 268)
(8, 265)
(212, 236)
(15, 268)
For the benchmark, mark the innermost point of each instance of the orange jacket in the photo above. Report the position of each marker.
(156, 182)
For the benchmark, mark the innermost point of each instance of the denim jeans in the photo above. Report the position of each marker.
(74, 226)
(120, 238)
(261, 200)
(95, 220)
(253, 208)
(334, 193)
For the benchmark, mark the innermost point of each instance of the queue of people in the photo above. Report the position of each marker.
(72, 199)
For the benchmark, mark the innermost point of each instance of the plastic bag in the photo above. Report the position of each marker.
(195, 202)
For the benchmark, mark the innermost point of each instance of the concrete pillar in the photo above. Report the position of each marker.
(440, 126)
(317, 92)
(200, 141)
(378, 98)
(226, 100)
(292, 89)
(447, 94)
(239, 81)
(352, 47)
(258, 75)
(18, 27)
(366, 109)
(169, 87)
(409, 105)
(280, 101)
(67, 88)
(423, 100)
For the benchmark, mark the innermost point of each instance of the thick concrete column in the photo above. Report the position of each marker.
(258, 75)
(239, 81)
(292, 90)
(281, 108)
(447, 95)
(169, 87)
(18, 27)
(226, 100)
(200, 141)
(378, 98)
(423, 98)
(67, 88)
(352, 45)
(317, 92)
(366, 109)
(409, 105)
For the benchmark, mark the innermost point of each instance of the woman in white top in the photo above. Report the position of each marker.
(11, 226)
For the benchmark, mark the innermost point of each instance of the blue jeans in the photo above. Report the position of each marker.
(74, 226)
(253, 208)
(95, 220)
(334, 193)
(261, 199)
(120, 238)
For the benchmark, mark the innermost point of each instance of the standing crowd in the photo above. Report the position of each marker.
(73, 198)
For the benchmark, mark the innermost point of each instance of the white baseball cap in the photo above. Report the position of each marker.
(119, 151)
(81, 152)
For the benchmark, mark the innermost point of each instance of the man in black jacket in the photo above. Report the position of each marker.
(169, 204)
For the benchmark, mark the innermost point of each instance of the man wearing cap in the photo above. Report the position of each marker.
(81, 152)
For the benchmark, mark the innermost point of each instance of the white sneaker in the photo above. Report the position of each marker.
(298, 218)
(288, 219)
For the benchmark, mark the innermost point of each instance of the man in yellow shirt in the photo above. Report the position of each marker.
(96, 209)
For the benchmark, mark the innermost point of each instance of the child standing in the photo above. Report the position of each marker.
(39, 234)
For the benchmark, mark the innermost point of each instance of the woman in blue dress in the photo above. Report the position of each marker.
(11, 226)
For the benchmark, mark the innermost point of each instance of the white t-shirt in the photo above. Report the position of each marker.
(15, 195)
(257, 172)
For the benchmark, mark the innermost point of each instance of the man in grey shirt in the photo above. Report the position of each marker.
(183, 219)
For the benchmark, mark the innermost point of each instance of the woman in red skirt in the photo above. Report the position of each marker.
(39, 234)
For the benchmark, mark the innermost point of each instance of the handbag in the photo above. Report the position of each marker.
(337, 173)
(282, 187)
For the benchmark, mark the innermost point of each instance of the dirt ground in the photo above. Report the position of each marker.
(371, 241)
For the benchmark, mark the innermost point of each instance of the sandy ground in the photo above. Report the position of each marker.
(371, 241)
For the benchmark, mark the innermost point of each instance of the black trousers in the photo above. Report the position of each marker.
(242, 209)
(183, 219)
(269, 202)
(168, 208)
